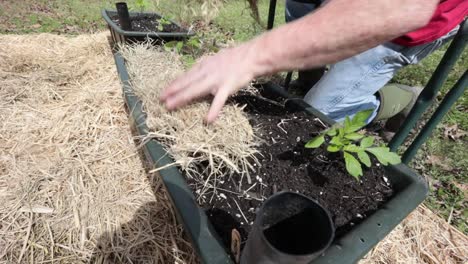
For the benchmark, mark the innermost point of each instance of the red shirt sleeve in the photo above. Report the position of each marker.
(447, 16)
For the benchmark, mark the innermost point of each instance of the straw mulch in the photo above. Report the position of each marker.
(72, 187)
(205, 153)
(423, 237)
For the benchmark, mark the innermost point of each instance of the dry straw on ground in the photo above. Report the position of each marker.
(207, 153)
(422, 237)
(72, 187)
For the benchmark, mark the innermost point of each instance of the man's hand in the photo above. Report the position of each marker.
(219, 75)
(338, 30)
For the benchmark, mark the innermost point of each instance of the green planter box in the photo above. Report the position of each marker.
(410, 190)
(121, 36)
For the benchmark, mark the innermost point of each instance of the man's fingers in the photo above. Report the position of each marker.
(181, 83)
(185, 96)
(217, 105)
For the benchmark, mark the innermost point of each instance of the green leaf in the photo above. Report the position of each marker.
(332, 132)
(333, 148)
(179, 46)
(364, 158)
(352, 165)
(352, 148)
(189, 60)
(194, 42)
(315, 142)
(379, 153)
(384, 155)
(354, 128)
(142, 4)
(171, 44)
(347, 122)
(336, 141)
(393, 158)
(346, 141)
(358, 121)
(367, 142)
(341, 132)
(361, 117)
(440, 192)
(354, 136)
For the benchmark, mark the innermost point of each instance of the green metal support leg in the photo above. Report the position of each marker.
(433, 86)
(443, 108)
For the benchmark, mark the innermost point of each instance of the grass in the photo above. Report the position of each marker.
(56, 16)
(442, 160)
(418, 75)
(235, 18)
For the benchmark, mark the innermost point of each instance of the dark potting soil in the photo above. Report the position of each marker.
(284, 164)
(148, 23)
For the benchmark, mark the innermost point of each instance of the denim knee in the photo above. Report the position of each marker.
(295, 10)
(339, 112)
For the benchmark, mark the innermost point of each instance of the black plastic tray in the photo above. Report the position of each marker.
(121, 36)
(410, 190)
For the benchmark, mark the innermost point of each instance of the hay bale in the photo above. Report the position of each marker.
(72, 187)
(227, 146)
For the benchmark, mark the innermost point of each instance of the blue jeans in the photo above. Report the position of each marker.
(350, 85)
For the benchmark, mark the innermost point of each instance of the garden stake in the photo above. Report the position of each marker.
(124, 16)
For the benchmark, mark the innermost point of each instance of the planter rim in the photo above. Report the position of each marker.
(105, 15)
(410, 190)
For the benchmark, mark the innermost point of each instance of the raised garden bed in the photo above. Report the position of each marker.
(144, 25)
(285, 165)
(374, 207)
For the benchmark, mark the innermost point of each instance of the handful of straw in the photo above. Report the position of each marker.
(205, 153)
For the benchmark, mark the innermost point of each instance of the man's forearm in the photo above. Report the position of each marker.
(338, 30)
